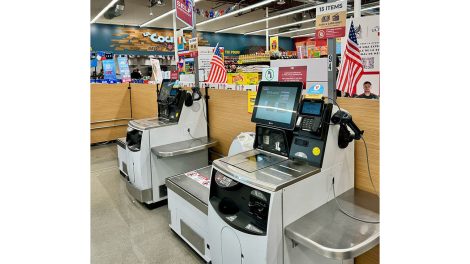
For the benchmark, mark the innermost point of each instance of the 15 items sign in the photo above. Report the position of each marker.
(331, 20)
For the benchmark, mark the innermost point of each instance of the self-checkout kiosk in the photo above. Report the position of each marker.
(251, 200)
(172, 143)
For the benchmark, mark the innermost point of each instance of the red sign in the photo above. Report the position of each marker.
(174, 75)
(184, 11)
(293, 74)
(327, 33)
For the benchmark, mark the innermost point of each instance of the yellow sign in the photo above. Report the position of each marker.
(274, 43)
(316, 151)
(251, 101)
(313, 96)
(243, 78)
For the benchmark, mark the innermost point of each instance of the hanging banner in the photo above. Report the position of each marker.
(109, 69)
(274, 44)
(157, 75)
(331, 20)
(124, 69)
(184, 11)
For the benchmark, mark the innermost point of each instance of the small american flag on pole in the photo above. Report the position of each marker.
(351, 68)
(217, 74)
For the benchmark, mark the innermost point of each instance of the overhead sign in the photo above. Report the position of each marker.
(184, 11)
(331, 20)
(270, 74)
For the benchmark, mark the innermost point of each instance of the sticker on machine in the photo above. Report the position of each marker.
(199, 178)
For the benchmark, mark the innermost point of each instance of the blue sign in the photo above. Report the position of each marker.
(93, 63)
(124, 69)
(316, 88)
(109, 69)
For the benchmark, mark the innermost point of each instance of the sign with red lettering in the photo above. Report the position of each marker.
(184, 11)
(293, 74)
(331, 20)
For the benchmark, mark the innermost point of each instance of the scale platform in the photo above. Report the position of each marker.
(264, 170)
(149, 123)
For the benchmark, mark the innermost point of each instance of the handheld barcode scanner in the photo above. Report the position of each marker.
(344, 137)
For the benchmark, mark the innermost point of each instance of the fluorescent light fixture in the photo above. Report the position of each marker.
(371, 7)
(162, 16)
(158, 18)
(235, 12)
(282, 15)
(365, 9)
(268, 18)
(304, 35)
(292, 31)
(281, 26)
(103, 11)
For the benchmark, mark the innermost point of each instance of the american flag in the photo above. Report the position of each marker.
(217, 74)
(351, 68)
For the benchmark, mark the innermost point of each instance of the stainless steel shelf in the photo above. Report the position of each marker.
(183, 147)
(332, 234)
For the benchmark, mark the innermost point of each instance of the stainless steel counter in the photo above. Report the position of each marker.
(265, 170)
(332, 234)
(191, 190)
(148, 123)
(183, 147)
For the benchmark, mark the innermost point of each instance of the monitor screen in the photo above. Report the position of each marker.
(165, 90)
(311, 108)
(276, 104)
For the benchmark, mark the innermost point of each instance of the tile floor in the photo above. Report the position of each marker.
(123, 231)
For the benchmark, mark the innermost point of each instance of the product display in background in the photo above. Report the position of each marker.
(245, 78)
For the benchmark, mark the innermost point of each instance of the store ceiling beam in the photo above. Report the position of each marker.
(282, 26)
(235, 12)
(162, 16)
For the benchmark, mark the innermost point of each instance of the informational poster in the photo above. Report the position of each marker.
(184, 11)
(157, 75)
(368, 37)
(274, 44)
(251, 100)
(293, 74)
(124, 69)
(270, 74)
(109, 69)
(204, 60)
(331, 20)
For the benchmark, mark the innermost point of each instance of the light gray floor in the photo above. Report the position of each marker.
(123, 231)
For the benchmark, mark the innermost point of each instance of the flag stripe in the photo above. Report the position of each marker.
(351, 68)
(217, 73)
